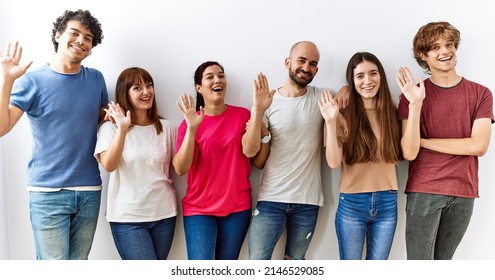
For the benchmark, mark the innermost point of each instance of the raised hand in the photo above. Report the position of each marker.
(116, 113)
(328, 106)
(411, 91)
(188, 110)
(9, 62)
(263, 96)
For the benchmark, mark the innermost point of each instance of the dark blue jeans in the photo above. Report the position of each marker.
(435, 225)
(216, 238)
(144, 240)
(370, 216)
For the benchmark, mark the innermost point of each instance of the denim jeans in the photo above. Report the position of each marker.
(144, 240)
(268, 223)
(211, 237)
(64, 223)
(370, 216)
(435, 225)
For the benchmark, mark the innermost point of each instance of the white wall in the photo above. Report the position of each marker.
(4, 238)
(172, 38)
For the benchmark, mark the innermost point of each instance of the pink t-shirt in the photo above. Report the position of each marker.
(218, 180)
(447, 113)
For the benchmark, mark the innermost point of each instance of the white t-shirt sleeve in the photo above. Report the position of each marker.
(105, 136)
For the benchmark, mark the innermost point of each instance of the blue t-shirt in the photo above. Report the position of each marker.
(63, 112)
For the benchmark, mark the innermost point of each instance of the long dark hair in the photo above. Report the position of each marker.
(361, 144)
(125, 81)
(198, 77)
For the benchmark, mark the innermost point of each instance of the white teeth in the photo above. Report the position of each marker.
(75, 47)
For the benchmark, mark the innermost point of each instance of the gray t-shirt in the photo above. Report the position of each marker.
(292, 173)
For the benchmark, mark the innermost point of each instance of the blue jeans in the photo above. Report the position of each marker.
(144, 240)
(268, 223)
(370, 216)
(435, 225)
(211, 237)
(64, 223)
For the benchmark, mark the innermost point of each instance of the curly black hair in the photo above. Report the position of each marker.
(85, 18)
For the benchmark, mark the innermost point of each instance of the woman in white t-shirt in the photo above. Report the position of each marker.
(137, 147)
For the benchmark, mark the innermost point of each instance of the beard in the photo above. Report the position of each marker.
(302, 83)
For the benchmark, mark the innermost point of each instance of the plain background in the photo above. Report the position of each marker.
(171, 38)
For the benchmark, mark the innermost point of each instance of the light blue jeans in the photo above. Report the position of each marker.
(268, 223)
(144, 240)
(435, 225)
(370, 216)
(216, 238)
(64, 223)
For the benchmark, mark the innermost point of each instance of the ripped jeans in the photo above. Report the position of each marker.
(268, 223)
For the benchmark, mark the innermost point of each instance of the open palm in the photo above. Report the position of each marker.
(263, 96)
(9, 62)
(409, 88)
(122, 119)
(188, 110)
(328, 107)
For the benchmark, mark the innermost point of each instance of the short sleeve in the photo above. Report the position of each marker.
(181, 132)
(403, 108)
(485, 109)
(106, 134)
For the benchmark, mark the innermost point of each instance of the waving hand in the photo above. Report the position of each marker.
(188, 110)
(116, 113)
(263, 96)
(10, 68)
(328, 106)
(411, 91)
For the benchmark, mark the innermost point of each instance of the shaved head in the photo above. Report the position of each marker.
(302, 63)
(304, 44)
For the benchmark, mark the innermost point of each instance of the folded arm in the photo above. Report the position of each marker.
(476, 145)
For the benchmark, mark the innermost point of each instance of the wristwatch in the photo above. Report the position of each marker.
(267, 138)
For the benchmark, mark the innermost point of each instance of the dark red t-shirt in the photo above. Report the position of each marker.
(447, 113)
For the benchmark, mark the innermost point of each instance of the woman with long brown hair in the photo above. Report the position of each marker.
(364, 140)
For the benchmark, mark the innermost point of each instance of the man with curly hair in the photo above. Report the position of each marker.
(63, 101)
(446, 121)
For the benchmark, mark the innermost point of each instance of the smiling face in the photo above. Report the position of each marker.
(303, 63)
(141, 96)
(432, 44)
(75, 43)
(367, 80)
(442, 56)
(213, 85)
